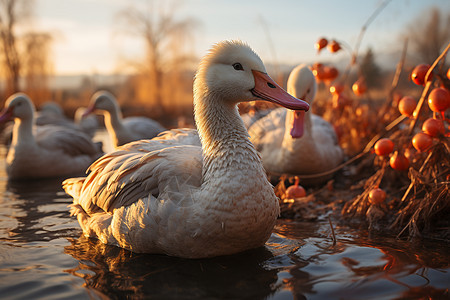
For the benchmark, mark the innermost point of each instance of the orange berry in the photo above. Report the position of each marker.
(407, 105)
(377, 196)
(399, 161)
(334, 46)
(418, 74)
(384, 146)
(321, 43)
(330, 73)
(359, 87)
(422, 141)
(295, 190)
(433, 127)
(439, 100)
(337, 88)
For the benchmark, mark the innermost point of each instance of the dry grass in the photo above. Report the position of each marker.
(418, 199)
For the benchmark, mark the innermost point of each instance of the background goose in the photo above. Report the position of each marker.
(295, 142)
(160, 196)
(51, 113)
(51, 151)
(122, 130)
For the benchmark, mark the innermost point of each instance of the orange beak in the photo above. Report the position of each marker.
(297, 124)
(267, 89)
(6, 114)
(88, 111)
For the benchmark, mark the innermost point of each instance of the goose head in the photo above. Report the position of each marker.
(233, 72)
(18, 106)
(301, 84)
(52, 108)
(102, 101)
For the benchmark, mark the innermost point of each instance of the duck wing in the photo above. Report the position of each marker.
(184, 136)
(250, 119)
(143, 127)
(71, 142)
(142, 169)
(265, 129)
(325, 131)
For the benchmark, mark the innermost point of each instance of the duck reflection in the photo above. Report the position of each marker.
(119, 273)
(312, 248)
(360, 264)
(410, 265)
(40, 210)
(299, 261)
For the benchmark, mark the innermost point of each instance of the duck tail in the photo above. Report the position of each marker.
(72, 186)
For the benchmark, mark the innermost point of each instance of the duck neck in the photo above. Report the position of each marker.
(113, 121)
(22, 132)
(225, 141)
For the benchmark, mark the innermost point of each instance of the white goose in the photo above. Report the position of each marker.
(50, 151)
(51, 113)
(122, 130)
(294, 142)
(160, 196)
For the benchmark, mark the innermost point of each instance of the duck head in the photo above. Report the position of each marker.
(101, 101)
(301, 84)
(17, 106)
(234, 72)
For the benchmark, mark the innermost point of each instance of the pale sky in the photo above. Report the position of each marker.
(86, 35)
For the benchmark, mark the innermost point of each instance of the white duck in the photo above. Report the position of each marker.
(122, 130)
(294, 142)
(161, 196)
(50, 151)
(51, 113)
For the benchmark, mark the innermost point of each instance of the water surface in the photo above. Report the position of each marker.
(44, 256)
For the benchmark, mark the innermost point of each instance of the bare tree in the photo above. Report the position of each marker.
(25, 55)
(430, 35)
(11, 62)
(37, 65)
(165, 37)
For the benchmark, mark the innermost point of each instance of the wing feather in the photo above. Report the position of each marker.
(180, 136)
(141, 169)
(272, 122)
(143, 127)
(71, 142)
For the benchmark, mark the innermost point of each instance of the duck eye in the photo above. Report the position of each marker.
(238, 66)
